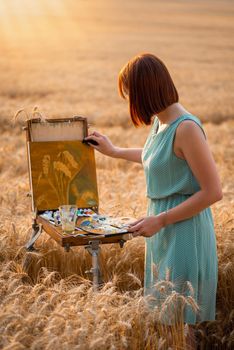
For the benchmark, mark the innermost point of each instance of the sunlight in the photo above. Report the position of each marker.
(26, 21)
(26, 8)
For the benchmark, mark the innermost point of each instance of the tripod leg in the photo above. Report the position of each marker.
(93, 248)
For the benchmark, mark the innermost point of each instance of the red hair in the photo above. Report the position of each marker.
(149, 87)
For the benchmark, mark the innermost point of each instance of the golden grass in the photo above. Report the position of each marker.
(46, 298)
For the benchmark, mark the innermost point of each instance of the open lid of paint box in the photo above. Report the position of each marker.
(62, 169)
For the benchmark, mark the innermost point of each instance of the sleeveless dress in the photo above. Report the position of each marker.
(184, 253)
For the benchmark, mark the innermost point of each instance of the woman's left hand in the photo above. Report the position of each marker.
(146, 226)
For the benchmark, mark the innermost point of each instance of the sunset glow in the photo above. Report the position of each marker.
(26, 22)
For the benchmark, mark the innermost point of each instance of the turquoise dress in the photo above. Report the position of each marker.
(184, 253)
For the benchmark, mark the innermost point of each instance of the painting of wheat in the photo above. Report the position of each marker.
(63, 172)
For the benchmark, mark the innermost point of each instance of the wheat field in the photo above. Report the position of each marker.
(64, 58)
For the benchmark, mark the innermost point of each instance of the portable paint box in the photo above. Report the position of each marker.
(62, 170)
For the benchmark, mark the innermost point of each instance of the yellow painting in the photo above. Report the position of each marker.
(63, 172)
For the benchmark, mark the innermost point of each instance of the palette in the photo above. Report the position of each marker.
(89, 222)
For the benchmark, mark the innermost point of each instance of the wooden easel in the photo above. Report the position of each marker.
(56, 133)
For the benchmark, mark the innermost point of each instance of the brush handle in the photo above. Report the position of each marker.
(93, 142)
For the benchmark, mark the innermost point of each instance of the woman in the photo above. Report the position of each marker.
(182, 182)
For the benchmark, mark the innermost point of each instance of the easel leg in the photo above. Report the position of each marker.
(93, 248)
(36, 232)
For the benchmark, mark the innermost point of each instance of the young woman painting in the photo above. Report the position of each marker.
(182, 182)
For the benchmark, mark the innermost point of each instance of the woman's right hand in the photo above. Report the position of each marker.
(104, 146)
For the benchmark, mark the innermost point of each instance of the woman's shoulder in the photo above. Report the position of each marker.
(188, 126)
(188, 117)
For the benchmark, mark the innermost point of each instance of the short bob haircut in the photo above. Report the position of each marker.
(146, 82)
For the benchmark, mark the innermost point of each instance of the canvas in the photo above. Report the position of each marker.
(63, 172)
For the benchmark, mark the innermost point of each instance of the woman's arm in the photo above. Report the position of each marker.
(192, 144)
(106, 147)
(132, 154)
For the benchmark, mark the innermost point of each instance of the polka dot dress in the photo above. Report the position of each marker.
(183, 253)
